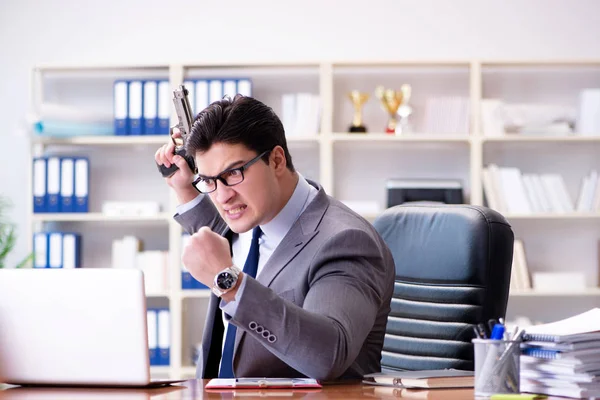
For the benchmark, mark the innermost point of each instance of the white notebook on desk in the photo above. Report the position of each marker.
(579, 328)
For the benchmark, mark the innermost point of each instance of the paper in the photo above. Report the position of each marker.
(263, 383)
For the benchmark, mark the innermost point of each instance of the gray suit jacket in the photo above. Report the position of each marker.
(318, 308)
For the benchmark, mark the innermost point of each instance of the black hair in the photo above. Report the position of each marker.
(241, 120)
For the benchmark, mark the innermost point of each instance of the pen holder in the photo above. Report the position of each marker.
(496, 366)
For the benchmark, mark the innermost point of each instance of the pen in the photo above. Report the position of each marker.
(497, 332)
(491, 323)
(482, 332)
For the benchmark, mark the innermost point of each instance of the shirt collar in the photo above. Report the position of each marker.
(275, 230)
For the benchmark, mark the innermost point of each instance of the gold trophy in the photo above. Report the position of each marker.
(390, 101)
(358, 99)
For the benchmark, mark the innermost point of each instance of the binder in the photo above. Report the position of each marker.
(244, 87)
(121, 107)
(150, 113)
(152, 326)
(215, 90)
(55, 250)
(53, 184)
(39, 185)
(67, 184)
(136, 104)
(164, 337)
(40, 250)
(71, 250)
(164, 107)
(187, 281)
(201, 95)
(229, 88)
(81, 185)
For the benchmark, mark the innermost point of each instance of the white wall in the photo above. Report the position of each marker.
(120, 31)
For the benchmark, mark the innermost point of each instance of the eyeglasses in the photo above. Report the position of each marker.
(229, 177)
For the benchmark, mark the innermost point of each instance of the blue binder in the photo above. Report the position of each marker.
(40, 250)
(53, 184)
(39, 185)
(121, 107)
(136, 107)
(244, 87)
(82, 179)
(55, 250)
(150, 125)
(71, 250)
(164, 336)
(165, 103)
(152, 325)
(67, 184)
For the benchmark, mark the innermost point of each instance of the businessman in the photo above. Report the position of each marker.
(302, 285)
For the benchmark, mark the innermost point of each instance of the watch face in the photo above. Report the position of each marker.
(225, 280)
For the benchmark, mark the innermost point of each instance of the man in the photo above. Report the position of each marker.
(318, 304)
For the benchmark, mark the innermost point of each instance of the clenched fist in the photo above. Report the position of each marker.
(206, 254)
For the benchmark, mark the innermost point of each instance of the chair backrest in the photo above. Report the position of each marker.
(453, 266)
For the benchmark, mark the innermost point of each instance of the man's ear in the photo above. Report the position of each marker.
(277, 159)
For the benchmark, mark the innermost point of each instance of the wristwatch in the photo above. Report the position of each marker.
(226, 280)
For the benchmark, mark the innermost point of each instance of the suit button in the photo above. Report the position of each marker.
(266, 334)
(252, 325)
(259, 329)
(272, 338)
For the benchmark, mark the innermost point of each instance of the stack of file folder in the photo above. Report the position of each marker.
(562, 358)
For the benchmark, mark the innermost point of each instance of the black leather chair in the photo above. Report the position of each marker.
(453, 267)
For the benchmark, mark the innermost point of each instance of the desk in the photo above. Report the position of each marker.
(194, 390)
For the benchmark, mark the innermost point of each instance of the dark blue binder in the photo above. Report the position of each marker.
(136, 107)
(82, 180)
(165, 103)
(150, 114)
(121, 107)
(164, 336)
(53, 184)
(40, 180)
(67, 185)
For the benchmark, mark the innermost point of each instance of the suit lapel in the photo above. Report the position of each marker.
(302, 232)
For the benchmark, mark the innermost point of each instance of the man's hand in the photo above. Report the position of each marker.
(181, 180)
(206, 254)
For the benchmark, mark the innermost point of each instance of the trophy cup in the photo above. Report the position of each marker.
(358, 99)
(390, 101)
(405, 110)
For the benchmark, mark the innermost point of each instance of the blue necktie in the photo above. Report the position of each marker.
(250, 268)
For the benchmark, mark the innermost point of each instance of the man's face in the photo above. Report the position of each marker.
(249, 203)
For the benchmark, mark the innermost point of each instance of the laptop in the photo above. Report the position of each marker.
(74, 327)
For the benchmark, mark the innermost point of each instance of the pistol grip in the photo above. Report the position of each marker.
(167, 172)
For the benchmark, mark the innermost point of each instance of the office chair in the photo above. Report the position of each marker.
(453, 267)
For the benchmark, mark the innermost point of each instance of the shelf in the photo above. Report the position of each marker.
(303, 139)
(553, 216)
(160, 369)
(543, 139)
(102, 140)
(98, 217)
(195, 293)
(188, 370)
(534, 293)
(385, 137)
(157, 294)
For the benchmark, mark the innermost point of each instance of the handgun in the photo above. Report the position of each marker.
(184, 124)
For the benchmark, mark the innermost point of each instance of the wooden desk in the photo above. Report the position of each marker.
(194, 390)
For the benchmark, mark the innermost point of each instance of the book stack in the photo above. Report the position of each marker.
(562, 358)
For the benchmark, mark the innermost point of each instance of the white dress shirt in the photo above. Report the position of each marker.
(273, 233)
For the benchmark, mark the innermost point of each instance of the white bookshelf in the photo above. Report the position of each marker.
(349, 166)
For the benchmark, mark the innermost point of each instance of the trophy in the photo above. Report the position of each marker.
(405, 110)
(390, 101)
(358, 99)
